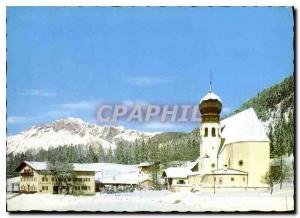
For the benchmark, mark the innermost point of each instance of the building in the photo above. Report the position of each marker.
(33, 178)
(176, 176)
(234, 152)
(149, 167)
(87, 178)
(146, 167)
(13, 184)
(124, 183)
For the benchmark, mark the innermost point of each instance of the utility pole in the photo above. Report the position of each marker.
(214, 185)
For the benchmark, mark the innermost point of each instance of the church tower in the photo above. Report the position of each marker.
(210, 108)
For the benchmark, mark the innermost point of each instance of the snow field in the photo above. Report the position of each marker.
(281, 200)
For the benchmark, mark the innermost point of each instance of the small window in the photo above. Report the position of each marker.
(241, 163)
(213, 132)
(243, 179)
(229, 163)
(213, 165)
(232, 179)
(205, 132)
(220, 180)
(181, 181)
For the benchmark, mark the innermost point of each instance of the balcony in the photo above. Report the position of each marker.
(27, 173)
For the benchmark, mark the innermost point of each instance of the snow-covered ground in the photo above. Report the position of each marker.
(281, 200)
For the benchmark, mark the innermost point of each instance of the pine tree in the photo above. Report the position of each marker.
(280, 143)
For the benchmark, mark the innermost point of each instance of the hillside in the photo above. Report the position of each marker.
(270, 103)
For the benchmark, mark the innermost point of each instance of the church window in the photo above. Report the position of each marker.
(243, 179)
(229, 163)
(241, 163)
(213, 132)
(205, 132)
(213, 165)
(232, 179)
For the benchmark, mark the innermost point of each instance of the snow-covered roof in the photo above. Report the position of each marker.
(212, 96)
(43, 166)
(119, 174)
(85, 167)
(243, 126)
(145, 164)
(196, 173)
(191, 165)
(36, 165)
(13, 180)
(228, 172)
(177, 172)
(130, 179)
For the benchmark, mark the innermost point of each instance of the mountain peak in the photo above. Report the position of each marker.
(72, 131)
(71, 120)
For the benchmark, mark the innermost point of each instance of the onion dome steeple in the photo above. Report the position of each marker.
(210, 107)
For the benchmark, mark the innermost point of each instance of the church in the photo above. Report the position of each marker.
(234, 152)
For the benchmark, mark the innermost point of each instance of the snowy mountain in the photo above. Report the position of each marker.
(71, 131)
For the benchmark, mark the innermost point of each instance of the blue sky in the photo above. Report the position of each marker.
(64, 62)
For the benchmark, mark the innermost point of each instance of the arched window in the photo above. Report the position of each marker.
(213, 132)
(206, 132)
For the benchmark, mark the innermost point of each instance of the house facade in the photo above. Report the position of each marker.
(33, 179)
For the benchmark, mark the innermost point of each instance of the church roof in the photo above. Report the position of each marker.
(242, 127)
(211, 96)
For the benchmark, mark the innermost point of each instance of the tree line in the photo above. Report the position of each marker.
(163, 148)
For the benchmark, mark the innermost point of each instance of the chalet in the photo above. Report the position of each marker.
(33, 178)
(147, 167)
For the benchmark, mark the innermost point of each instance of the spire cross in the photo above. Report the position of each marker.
(210, 89)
